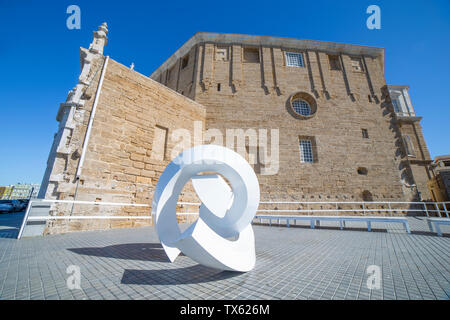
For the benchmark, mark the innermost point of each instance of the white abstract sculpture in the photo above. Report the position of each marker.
(222, 237)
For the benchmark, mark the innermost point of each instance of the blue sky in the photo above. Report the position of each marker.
(40, 61)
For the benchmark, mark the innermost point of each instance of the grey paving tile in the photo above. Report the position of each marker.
(292, 263)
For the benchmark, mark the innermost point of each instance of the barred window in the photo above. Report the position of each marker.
(306, 152)
(301, 107)
(294, 59)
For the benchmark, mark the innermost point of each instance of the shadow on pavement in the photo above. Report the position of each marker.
(129, 251)
(188, 275)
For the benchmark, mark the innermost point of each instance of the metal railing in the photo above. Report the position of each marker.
(365, 207)
(303, 207)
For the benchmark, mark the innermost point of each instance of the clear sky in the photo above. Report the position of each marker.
(40, 61)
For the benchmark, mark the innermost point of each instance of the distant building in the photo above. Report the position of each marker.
(19, 191)
(35, 192)
(5, 192)
(439, 185)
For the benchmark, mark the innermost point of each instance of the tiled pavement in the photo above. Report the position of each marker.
(292, 263)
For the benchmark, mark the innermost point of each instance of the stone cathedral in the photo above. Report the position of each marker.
(317, 120)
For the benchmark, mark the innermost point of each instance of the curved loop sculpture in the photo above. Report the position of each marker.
(222, 237)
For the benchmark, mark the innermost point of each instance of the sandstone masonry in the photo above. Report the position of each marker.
(356, 126)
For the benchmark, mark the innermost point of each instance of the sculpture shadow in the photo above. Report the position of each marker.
(188, 275)
(128, 251)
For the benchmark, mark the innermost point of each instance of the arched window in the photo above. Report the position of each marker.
(301, 107)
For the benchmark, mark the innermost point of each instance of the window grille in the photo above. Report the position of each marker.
(294, 59)
(306, 152)
(301, 107)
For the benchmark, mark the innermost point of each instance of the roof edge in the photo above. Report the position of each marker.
(230, 38)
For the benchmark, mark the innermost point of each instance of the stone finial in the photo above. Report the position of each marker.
(100, 39)
(103, 27)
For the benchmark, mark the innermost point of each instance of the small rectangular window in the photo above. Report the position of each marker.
(221, 53)
(185, 62)
(357, 64)
(294, 59)
(170, 73)
(159, 145)
(251, 54)
(365, 134)
(410, 152)
(306, 151)
(335, 62)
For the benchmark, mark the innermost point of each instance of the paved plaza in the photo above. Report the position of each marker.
(292, 263)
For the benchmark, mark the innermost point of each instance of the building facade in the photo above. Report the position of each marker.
(439, 185)
(315, 119)
(331, 99)
(24, 191)
(19, 191)
(5, 192)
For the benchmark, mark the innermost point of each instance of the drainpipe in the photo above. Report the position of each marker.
(91, 120)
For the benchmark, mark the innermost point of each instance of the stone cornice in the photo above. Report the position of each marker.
(253, 40)
(407, 119)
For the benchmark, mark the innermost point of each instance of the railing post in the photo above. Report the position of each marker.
(390, 209)
(445, 209)
(25, 219)
(426, 209)
(364, 209)
(439, 210)
(337, 209)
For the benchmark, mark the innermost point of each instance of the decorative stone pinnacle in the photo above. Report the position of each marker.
(100, 39)
(103, 27)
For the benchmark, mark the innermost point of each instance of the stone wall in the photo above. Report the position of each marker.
(124, 157)
(239, 94)
(356, 137)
